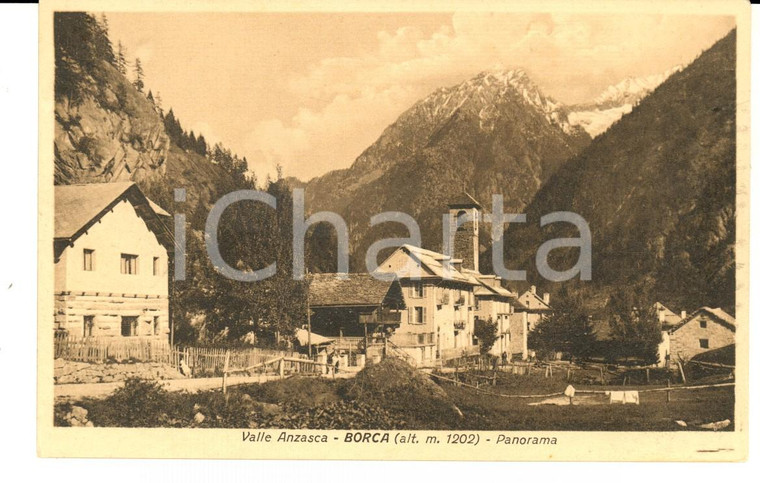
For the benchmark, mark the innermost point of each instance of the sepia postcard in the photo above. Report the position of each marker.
(453, 230)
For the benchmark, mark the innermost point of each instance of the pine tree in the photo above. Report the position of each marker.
(121, 58)
(139, 75)
(202, 148)
(150, 96)
(105, 46)
(104, 23)
(81, 45)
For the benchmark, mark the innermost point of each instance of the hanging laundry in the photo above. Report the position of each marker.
(623, 397)
(630, 397)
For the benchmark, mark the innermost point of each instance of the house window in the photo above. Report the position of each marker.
(418, 290)
(128, 264)
(89, 323)
(418, 315)
(703, 324)
(704, 343)
(89, 260)
(128, 326)
(156, 325)
(156, 266)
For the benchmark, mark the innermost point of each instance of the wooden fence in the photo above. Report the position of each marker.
(210, 361)
(99, 350)
(201, 361)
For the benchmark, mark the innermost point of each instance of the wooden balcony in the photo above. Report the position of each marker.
(381, 316)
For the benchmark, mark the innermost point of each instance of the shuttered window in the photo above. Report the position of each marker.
(128, 264)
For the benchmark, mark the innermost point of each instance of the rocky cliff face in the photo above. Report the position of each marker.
(114, 135)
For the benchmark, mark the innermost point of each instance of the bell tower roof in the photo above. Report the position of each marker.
(464, 200)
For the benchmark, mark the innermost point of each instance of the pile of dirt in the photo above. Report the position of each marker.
(398, 387)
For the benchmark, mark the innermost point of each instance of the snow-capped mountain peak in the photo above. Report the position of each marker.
(484, 91)
(616, 101)
(633, 89)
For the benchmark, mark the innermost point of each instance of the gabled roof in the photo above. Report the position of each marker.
(464, 200)
(533, 302)
(668, 317)
(79, 206)
(357, 290)
(661, 308)
(484, 288)
(717, 314)
(432, 264)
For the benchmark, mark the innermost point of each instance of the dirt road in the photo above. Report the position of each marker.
(74, 392)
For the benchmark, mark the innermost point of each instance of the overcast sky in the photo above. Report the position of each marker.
(312, 91)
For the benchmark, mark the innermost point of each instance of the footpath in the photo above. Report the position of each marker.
(75, 392)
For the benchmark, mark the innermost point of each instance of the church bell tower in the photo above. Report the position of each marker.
(466, 244)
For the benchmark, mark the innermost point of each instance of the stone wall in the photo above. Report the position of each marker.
(69, 372)
(107, 311)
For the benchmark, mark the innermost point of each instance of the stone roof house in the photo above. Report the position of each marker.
(703, 330)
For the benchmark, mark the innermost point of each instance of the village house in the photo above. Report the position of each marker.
(703, 330)
(668, 319)
(111, 252)
(529, 310)
(426, 301)
(535, 307)
(438, 321)
(440, 291)
(494, 303)
(518, 332)
(356, 311)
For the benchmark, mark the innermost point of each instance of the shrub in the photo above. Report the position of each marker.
(486, 332)
(138, 404)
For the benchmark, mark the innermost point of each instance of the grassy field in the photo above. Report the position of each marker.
(396, 397)
(484, 412)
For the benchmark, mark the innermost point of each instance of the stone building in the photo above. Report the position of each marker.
(703, 330)
(111, 253)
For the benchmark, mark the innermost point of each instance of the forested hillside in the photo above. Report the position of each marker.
(658, 191)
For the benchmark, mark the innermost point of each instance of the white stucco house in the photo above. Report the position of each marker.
(111, 252)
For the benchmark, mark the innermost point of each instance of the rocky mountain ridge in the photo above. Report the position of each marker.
(496, 133)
